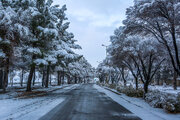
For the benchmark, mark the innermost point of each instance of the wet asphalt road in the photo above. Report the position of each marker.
(86, 103)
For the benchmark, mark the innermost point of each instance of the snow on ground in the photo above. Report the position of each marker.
(31, 108)
(139, 107)
(27, 109)
(15, 90)
(167, 89)
(162, 88)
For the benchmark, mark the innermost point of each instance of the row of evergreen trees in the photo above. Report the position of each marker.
(34, 36)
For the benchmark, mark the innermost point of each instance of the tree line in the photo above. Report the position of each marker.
(34, 38)
(146, 46)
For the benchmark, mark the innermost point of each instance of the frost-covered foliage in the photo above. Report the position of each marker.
(158, 19)
(34, 36)
(167, 101)
(146, 48)
(135, 56)
(107, 73)
(81, 70)
(130, 91)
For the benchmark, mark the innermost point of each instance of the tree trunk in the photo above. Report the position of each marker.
(50, 81)
(146, 84)
(1, 78)
(175, 81)
(50, 77)
(28, 89)
(158, 81)
(43, 77)
(107, 80)
(47, 76)
(68, 77)
(75, 79)
(5, 81)
(22, 77)
(59, 78)
(123, 76)
(124, 83)
(79, 80)
(84, 79)
(113, 78)
(136, 81)
(34, 77)
(63, 77)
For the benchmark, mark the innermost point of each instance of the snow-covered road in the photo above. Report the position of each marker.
(87, 103)
(32, 108)
(80, 102)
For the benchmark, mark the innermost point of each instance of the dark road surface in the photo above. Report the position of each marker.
(87, 103)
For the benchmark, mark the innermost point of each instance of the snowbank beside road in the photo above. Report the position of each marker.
(27, 109)
(139, 107)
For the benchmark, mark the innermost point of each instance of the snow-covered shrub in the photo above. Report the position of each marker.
(102, 84)
(155, 99)
(167, 101)
(169, 107)
(172, 103)
(130, 91)
(112, 86)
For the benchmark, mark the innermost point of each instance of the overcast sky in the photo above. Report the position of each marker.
(92, 22)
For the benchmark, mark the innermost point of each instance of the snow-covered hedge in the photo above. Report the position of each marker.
(167, 101)
(112, 86)
(130, 91)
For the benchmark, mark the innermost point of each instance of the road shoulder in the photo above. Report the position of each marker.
(138, 106)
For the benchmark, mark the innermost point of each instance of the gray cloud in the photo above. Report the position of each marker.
(93, 21)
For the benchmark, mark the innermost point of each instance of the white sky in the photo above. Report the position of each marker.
(92, 22)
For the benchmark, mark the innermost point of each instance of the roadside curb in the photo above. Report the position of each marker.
(112, 91)
(121, 97)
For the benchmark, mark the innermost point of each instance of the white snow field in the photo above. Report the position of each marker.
(31, 108)
(139, 107)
